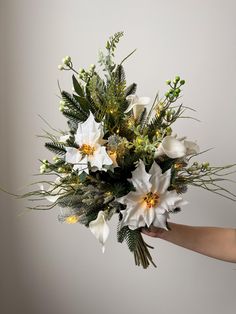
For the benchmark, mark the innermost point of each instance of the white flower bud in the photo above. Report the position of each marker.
(60, 67)
(42, 168)
(66, 60)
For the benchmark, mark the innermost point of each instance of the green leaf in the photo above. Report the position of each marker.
(77, 87)
(84, 103)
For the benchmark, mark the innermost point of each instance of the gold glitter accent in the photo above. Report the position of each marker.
(73, 219)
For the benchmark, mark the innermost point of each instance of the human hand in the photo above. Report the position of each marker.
(154, 232)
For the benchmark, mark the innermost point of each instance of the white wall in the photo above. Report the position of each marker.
(51, 268)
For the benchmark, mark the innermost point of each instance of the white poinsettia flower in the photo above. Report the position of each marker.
(89, 139)
(54, 192)
(137, 104)
(100, 229)
(176, 148)
(151, 203)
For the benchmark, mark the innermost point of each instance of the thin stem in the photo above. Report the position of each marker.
(128, 56)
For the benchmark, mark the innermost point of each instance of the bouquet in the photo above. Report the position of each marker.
(118, 158)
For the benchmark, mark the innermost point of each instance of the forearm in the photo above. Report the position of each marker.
(215, 242)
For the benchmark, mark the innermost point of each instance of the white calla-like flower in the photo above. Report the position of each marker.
(89, 139)
(137, 104)
(171, 147)
(151, 203)
(100, 229)
(174, 148)
(54, 192)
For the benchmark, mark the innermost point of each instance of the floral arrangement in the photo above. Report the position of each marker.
(119, 158)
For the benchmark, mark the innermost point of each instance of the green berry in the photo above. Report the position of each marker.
(66, 60)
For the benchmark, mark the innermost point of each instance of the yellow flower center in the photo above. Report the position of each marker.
(152, 199)
(178, 165)
(73, 219)
(87, 149)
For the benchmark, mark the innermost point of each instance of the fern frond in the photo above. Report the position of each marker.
(55, 148)
(136, 245)
(131, 89)
(119, 74)
(72, 115)
(73, 104)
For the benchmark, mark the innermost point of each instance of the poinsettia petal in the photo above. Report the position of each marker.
(89, 131)
(73, 155)
(160, 220)
(149, 216)
(133, 217)
(82, 165)
(100, 158)
(170, 200)
(106, 158)
(131, 198)
(155, 172)
(164, 181)
(140, 178)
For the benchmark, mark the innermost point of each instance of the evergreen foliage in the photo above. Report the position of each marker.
(136, 245)
(56, 148)
(131, 89)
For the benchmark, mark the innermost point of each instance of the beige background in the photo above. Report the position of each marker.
(47, 267)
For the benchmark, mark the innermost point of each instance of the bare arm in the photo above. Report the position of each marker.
(219, 243)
